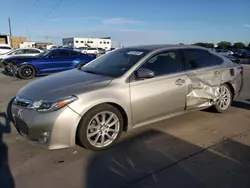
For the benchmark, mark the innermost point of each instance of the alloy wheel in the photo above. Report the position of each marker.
(225, 98)
(26, 71)
(103, 129)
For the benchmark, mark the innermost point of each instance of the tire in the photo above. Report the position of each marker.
(94, 142)
(228, 94)
(23, 74)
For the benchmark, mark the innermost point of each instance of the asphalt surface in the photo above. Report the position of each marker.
(199, 149)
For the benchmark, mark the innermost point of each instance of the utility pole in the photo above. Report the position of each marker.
(10, 32)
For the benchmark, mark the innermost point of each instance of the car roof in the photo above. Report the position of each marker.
(63, 49)
(164, 46)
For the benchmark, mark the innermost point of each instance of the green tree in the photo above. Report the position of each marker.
(203, 44)
(239, 45)
(224, 45)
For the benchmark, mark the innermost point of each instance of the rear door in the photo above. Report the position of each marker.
(203, 77)
(162, 95)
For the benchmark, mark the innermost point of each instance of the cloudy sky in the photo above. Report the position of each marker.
(129, 22)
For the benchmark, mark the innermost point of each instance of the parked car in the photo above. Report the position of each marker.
(242, 53)
(90, 51)
(128, 88)
(233, 58)
(110, 50)
(4, 48)
(20, 52)
(101, 51)
(81, 49)
(47, 62)
(224, 51)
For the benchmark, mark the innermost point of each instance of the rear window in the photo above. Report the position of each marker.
(198, 58)
(5, 47)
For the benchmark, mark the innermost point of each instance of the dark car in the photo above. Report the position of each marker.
(233, 58)
(101, 50)
(50, 61)
(243, 53)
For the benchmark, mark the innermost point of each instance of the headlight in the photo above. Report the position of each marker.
(47, 106)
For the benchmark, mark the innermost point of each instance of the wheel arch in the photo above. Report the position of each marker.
(230, 85)
(114, 104)
(20, 65)
(117, 106)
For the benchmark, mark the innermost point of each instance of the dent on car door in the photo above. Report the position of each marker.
(203, 78)
(161, 95)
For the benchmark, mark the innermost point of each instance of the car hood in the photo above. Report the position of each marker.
(63, 84)
(20, 58)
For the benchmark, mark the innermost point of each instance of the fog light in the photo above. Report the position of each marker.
(44, 138)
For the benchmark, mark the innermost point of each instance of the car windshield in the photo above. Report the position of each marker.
(44, 54)
(115, 64)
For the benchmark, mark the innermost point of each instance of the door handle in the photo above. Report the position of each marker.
(179, 82)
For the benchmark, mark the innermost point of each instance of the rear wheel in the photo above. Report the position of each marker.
(100, 128)
(26, 72)
(225, 99)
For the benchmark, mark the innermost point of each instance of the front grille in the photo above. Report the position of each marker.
(21, 126)
(22, 104)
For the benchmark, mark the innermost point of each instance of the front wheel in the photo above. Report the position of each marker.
(26, 72)
(225, 99)
(100, 128)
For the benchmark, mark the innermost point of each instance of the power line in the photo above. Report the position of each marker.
(50, 12)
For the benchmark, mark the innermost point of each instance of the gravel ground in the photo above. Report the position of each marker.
(199, 149)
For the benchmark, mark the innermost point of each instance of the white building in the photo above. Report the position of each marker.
(27, 45)
(104, 43)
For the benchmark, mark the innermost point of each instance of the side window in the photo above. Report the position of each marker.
(32, 51)
(59, 54)
(5, 47)
(197, 58)
(167, 62)
(19, 52)
(74, 54)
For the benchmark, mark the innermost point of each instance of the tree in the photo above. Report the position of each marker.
(239, 45)
(203, 44)
(224, 45)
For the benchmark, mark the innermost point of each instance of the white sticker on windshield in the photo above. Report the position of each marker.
(134, 53)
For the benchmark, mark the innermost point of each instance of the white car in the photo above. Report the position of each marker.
(90, 51)
(4, 48)
(21, 52)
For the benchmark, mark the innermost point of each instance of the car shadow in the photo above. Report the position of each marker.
(240, 104)
(6, 179)
(156, 159)
(7, 74)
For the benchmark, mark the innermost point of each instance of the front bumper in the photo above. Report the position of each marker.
(61, 126)
(10, 67)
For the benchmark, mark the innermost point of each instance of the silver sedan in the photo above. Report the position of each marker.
(119, 91)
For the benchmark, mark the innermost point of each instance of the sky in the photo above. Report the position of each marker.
(129, 22)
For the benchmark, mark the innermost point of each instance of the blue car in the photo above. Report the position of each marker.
(50, 61)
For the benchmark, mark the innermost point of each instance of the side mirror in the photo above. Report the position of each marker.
(143, 73)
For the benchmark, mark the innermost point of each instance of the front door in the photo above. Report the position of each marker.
(164, 94)
(56, 61)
